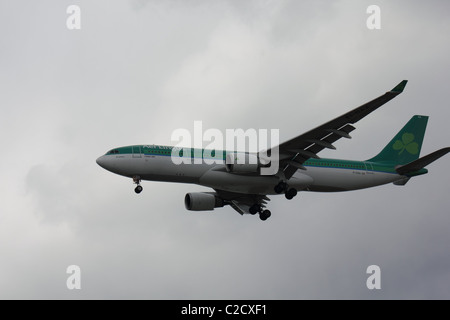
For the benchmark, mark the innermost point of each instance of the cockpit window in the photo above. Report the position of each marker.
(114, 151)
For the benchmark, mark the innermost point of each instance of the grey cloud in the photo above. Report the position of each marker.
(138, 70)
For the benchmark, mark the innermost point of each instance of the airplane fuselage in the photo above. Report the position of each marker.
(324, 175)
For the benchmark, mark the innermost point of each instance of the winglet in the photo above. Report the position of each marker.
(400, 87)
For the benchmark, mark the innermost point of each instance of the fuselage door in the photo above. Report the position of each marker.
(137, 152)
(369, 167)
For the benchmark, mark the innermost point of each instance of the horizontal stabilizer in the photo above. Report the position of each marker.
(422, 162)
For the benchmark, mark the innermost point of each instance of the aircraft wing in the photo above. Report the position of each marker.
(293, 153)
(242, 202)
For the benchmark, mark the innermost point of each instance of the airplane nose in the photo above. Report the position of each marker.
(107, 162)
(101, 161)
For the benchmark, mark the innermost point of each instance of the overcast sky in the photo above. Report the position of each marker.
(137, 70)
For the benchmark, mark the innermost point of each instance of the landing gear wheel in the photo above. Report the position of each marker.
(264, 215)
(137, 180)
(280, 187)
(138, 189)
(291, 193)
(254, 209)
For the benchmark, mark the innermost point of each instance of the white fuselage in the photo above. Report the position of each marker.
(325, 179)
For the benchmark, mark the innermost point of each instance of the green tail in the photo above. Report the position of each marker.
(405, 146)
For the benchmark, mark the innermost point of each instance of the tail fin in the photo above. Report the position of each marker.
(405, 146)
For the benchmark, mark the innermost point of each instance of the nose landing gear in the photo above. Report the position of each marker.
(137, 180)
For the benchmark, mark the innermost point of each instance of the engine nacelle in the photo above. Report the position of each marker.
(242, 163)
(202, 201)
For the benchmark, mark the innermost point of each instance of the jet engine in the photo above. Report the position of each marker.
(202, 201)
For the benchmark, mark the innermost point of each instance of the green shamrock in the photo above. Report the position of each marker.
(407, 143)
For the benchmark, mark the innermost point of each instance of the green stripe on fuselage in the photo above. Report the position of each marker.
(349, 164)
(157, 150)
(167, 151)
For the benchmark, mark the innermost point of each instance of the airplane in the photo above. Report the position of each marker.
(300, 168)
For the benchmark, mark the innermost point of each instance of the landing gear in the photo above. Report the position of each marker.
(291, 193)
(137, 180)
(264, 215)
(254, 209)
(283, 187)
(280, 187)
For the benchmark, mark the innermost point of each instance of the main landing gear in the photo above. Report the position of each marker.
(282, 186)
(263, 214)
(137, 180)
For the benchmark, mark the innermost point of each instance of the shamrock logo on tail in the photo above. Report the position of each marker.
(407, 143)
